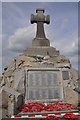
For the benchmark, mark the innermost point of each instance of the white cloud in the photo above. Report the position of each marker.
(21, 39)
(69, 47)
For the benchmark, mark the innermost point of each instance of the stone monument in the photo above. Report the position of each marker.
(40, 19)
(40, 58)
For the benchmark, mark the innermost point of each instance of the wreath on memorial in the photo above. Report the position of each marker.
(58, 106)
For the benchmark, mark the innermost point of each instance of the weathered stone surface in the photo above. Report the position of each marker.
(71, 96)
(41, 51)
(0, 113)
(3, 103)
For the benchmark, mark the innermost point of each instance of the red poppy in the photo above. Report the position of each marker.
(52, 117)
(70, 115)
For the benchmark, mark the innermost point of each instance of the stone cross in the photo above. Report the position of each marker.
(40, 19)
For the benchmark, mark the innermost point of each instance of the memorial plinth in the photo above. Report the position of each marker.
(33, 51)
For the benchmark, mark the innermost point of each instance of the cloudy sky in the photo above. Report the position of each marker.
(18, 32)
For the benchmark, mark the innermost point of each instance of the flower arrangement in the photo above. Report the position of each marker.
(58, 106)
(70, 116)
(38, 107)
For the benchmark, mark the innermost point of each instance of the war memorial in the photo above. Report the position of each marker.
(41, 73)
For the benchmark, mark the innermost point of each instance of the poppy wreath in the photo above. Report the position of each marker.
(57, 106)
(38, 107)
(70, 116)
(52, 118)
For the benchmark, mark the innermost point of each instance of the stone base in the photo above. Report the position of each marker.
(40, 42)
(71, 96)
(44, 51)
